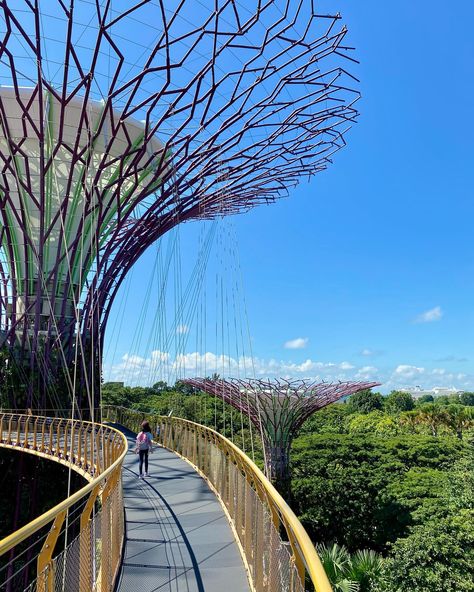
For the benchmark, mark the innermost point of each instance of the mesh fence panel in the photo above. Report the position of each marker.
(92, 559)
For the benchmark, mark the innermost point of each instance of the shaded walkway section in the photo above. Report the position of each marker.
(178, 538)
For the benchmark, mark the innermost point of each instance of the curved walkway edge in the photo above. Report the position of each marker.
(178, 538)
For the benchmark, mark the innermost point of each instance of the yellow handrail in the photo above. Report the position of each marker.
(230, 471)
(98, 458)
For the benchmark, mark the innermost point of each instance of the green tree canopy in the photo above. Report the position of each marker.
(425, 399)
(342, 484)
(330, 419)
(398, 401)
(467, 399)
(437, 555)
(365, 401)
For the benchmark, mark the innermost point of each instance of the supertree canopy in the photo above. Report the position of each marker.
(278, 409)
(119, 121)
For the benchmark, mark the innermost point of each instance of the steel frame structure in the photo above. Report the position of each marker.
(119, 121)
(277, 408)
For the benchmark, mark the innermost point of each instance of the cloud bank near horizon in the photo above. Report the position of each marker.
(136, 370)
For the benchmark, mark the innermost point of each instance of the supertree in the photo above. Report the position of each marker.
(277, 408)
(119, 121)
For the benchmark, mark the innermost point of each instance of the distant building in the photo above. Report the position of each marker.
(437, 391)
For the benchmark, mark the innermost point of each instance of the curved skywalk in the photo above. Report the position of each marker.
(178, 538)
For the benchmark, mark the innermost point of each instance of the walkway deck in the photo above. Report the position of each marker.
(178, 538)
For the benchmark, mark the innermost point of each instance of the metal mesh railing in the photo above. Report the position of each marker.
(274, 544)
(92, 559)
(275, 547)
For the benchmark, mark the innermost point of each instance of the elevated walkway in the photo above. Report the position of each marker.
(166, 533)
(177, 537)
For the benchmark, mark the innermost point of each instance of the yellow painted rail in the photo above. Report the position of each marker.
(276, 548)
(92, 559)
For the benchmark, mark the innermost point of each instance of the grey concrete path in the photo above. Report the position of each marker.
(178, 538)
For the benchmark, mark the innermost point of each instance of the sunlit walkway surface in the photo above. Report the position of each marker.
(177, 535)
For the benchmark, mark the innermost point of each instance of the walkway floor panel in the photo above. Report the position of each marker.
(178, 538)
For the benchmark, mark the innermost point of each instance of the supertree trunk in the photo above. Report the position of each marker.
(278, 468)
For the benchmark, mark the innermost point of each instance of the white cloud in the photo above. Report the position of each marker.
(407, 371)
(346, 366)
(182, 329)
(434, 314)
(367, 373)
(298, 343)
(134, 369)
(367, 352)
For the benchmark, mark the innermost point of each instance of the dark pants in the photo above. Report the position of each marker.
(143, 455)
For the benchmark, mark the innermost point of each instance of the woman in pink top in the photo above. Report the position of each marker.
(143, 446)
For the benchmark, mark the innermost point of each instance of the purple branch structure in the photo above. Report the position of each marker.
(277, 408)
(119, 121)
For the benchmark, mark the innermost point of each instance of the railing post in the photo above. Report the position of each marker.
(25, 435)
(118, 532)
(65, 443)
(105, 564)
(71, 455)
(35, 434)
(173, 435)
(97, 449)
(9, 435)
(79, 445)
(18, 430)
(164, 436)
(44, 562)
(86, 545)
(195, 458)
(296, 557)
(43, 427)
(58, 439)
(51, 439)
(86, 447)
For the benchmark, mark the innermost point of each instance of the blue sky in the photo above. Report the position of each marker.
(368, 269)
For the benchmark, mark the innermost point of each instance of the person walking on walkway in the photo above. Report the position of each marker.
(143, 446)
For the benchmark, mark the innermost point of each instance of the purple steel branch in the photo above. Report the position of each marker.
(257, 114)
(278, 405)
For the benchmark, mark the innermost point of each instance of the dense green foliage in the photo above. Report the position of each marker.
(343, 484)
(398, 401)
(397, 481)
(365, 401)
(437, 555)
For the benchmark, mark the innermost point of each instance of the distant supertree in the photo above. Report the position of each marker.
(119, 121)
(277, 408)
